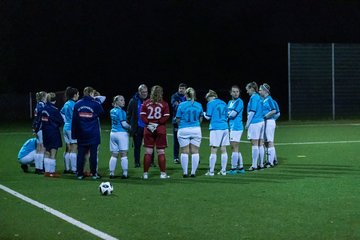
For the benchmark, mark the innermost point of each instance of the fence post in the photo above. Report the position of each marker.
(333, 79)
(289, 81)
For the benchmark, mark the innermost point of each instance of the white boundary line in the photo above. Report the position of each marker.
(58, 214)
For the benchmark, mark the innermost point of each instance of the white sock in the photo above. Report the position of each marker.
(234, 159)
(261, 153)
(271, 154)
(37, 160)
(73, 160)
(255, 155)
(224, 159)
(184, 158)
(47, 165)
(112, 165)
(241, 164)
(52, 164)
(124, 165)
(67, 161)
(41, 160)
(194, 162)
(212, 161)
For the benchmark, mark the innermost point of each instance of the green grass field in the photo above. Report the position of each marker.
(312, 194)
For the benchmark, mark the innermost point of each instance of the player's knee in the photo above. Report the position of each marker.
(160, 151)
(148, 150)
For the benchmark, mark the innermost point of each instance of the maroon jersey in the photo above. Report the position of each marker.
(154, 112)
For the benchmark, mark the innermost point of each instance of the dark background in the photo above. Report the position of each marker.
(116, 45)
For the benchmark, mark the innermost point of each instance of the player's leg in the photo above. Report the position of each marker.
(94, 160)
(124, 147)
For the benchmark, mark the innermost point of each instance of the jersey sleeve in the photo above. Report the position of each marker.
(165, 114)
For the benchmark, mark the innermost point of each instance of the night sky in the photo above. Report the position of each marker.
(116, 45)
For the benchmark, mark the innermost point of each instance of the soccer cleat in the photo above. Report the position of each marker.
(124, 177)
(80, 177)
(240, 170)
(185, 176)
(137, 165)
(269, 165)
(260, 167)
(176, 161)
(52, 175)
(211, 174)
(276, 162)
(251, 169)
(164, 176)
(145, 176)
(222, 172)
(96, 176)
(25, 168)
(192, 175)
(232, 172)
(111, 176)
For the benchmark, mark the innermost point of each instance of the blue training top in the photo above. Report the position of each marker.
(236, 105)
(255, 105)
(268, 106)
(28, 147)
(117, 115)
(189, 114)
(217, 110)
(67, 113)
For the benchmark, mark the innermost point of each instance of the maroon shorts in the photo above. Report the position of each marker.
(157, 138)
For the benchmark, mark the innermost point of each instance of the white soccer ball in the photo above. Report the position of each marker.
(106, 188)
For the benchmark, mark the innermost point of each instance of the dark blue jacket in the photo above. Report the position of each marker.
(176, 99)
(50, 122)
(85, 121)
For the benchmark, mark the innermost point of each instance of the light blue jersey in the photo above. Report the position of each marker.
(67, 114)
(268, 106)
(235, 122)
(28, 147)
(117, 116)
(189, 114)
(255, 105)
(277, 114)
(217, 110)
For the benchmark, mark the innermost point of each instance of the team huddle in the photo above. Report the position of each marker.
(145, 121)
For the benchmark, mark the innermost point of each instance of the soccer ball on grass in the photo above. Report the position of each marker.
(106, 188)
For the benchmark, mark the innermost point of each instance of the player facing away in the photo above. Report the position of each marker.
(269, 111)
(119, 137)
(154, 113)
(255, 126)
(40, 150)
(235, 111)
(51, 120)
(217, 112)
(70, 155)
(189, 116)
(276, 117)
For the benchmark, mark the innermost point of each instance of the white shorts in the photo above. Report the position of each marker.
(39, 137)
(67, 137)
(235, 136)
(270, 130)
(28, 158)
(219, 138)
(256, 131)
(119, 141)
(189, 135)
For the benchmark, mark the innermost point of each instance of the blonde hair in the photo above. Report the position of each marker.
(115, 99)
(265, 87)
(211, 93)
(253, 85)
(51, 97)
(41, 96)
(88, 91)
(156, 94)
(190, 94)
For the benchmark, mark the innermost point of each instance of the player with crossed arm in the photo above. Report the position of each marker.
(154, 113)
(269, 111)
(255, 126)
(216, 112)
(189, 116)
(119, 137)
(235, 111)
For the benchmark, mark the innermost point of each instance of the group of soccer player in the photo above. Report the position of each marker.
(225, 125)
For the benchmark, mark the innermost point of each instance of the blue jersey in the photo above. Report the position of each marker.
(67, 113)
(189, 114)
(85, 122)
(236, 105)
(255, 105)
(268, 106)
(28, 147)
(217, 110)
(277, 114)
(117, 116)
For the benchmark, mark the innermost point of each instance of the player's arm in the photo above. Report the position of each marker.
(249, 119)
(143, 114)
(166, 114)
